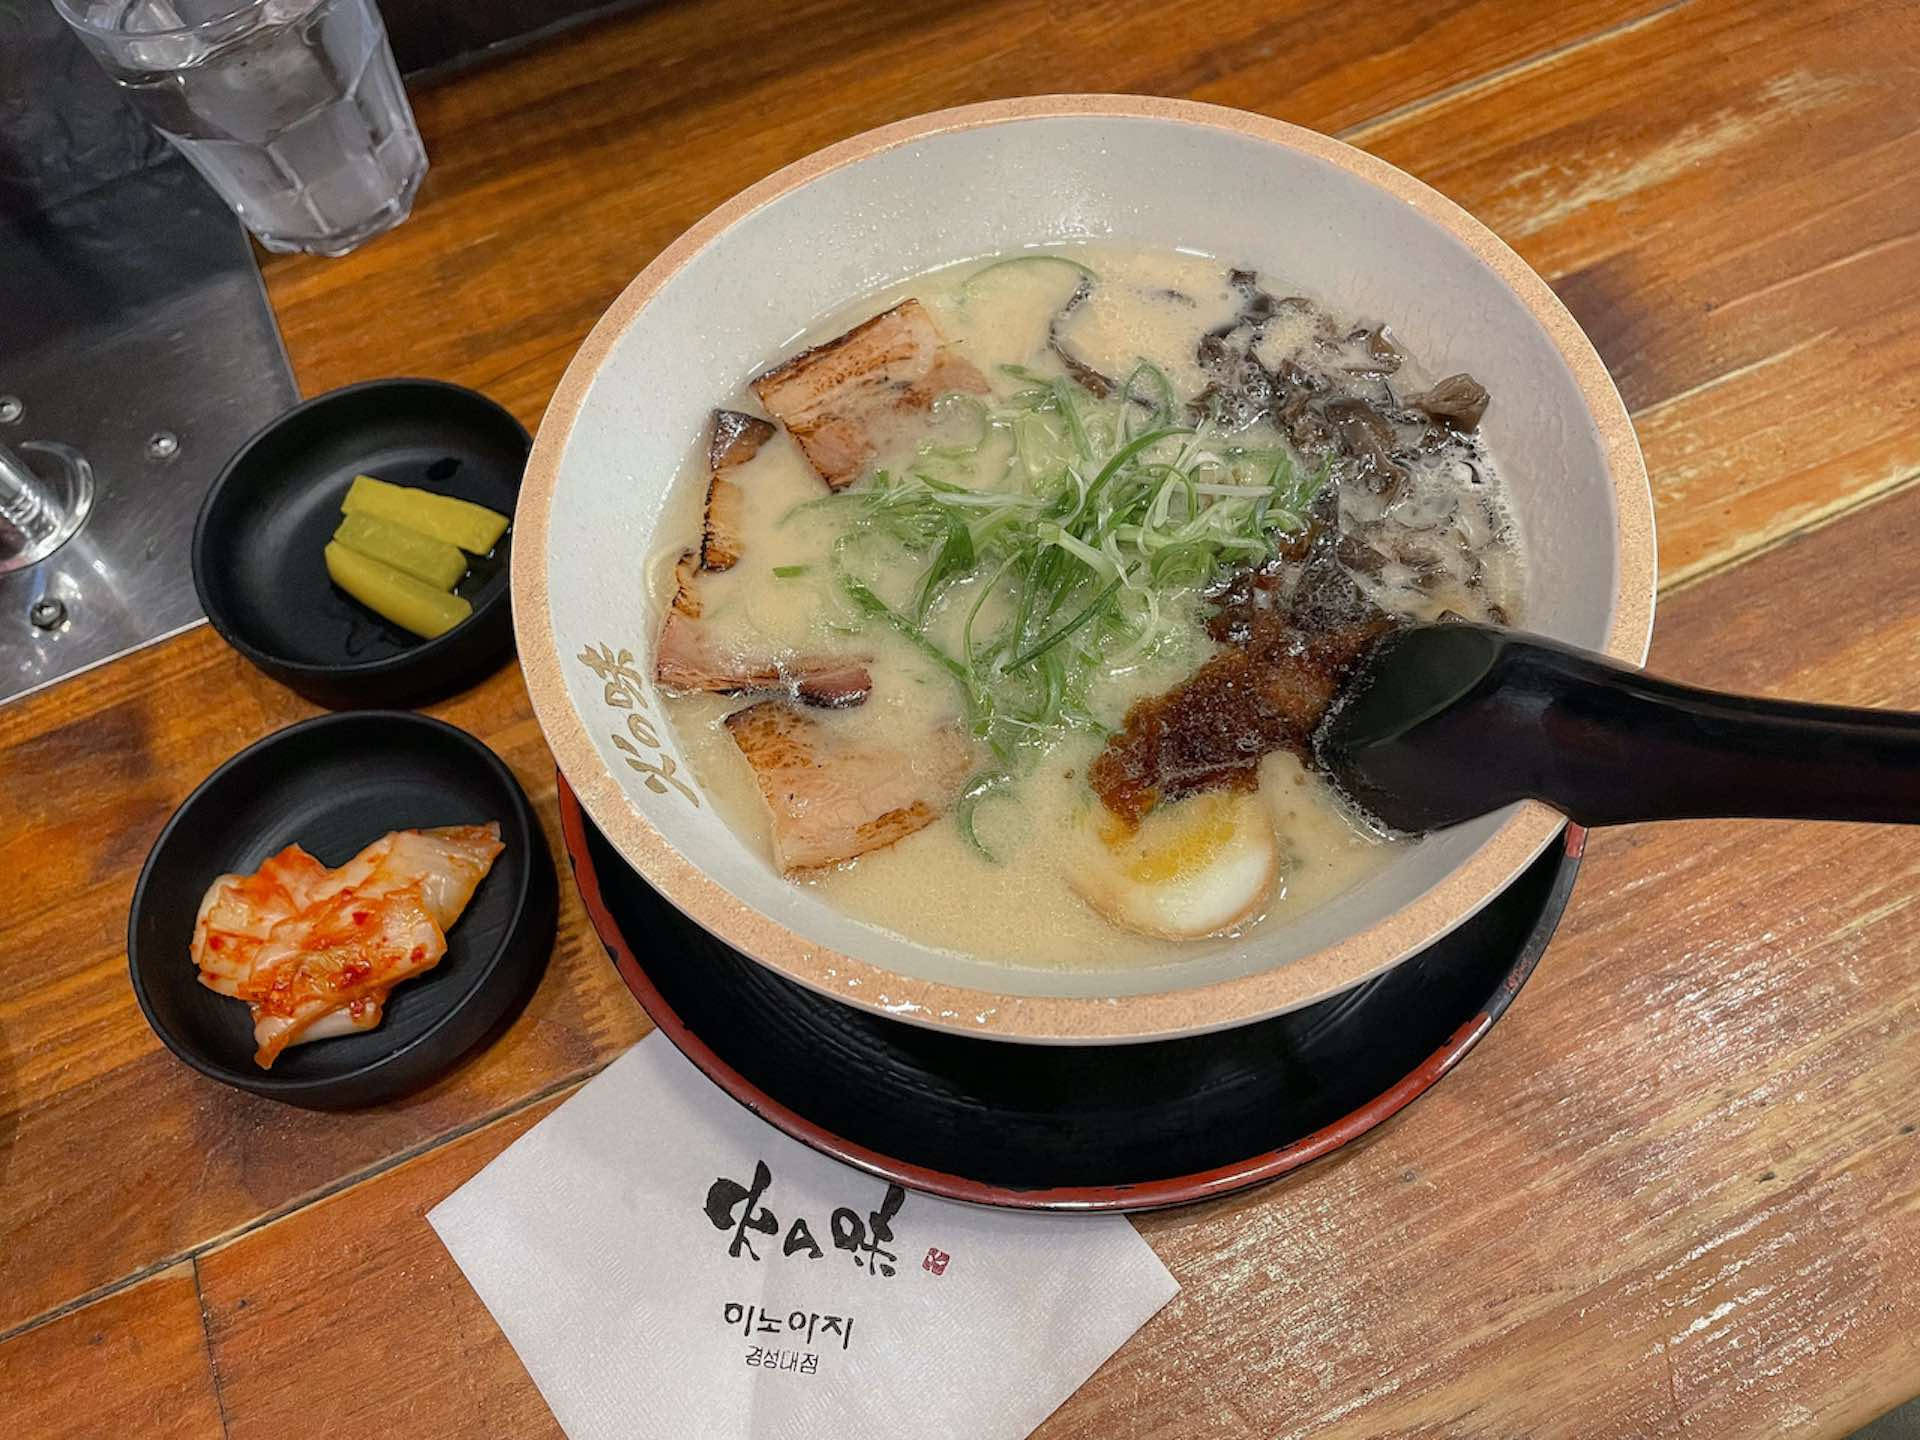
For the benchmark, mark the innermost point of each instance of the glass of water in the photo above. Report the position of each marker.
(292, 109)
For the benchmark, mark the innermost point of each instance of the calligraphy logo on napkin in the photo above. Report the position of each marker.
(726, 1198)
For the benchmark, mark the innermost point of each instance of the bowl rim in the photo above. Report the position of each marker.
(265, 1082)
(421, 654)
(1526, 831)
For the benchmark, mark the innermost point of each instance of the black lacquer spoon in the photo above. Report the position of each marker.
(1445, 722)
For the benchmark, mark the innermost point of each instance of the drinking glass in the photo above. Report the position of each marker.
(292, 109)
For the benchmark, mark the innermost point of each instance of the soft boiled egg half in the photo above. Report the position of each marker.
(1196, 867)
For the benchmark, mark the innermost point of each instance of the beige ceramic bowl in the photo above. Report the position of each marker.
(982, 180)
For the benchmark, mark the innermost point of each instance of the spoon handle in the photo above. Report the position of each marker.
(1608, 745)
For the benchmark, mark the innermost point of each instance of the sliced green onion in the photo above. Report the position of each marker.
(1163, 390)
(1093, 608)
(973, 614)
(1263, 492)
(1095, 560)
(1063, 398)
(863, 596)
(1132, 448)
(977, 790)
(954, 561)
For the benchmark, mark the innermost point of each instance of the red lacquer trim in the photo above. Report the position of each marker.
(1149, 1195)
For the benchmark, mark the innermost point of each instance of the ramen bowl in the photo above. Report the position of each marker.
(596, 507)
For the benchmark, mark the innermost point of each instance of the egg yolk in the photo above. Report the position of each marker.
(1189, 839)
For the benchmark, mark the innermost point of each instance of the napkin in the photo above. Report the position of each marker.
(669, 1266)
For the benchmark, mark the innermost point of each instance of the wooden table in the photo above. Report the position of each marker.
(1676, 1191)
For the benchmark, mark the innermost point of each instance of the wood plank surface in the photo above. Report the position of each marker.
(134, 1364)
(1678, 1191)
(365, 1270)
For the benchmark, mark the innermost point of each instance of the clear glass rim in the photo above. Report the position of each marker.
(90, 27)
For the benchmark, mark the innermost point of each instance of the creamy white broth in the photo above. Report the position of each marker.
(936, 886)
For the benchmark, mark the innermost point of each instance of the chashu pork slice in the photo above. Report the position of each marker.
(735, 439)
(844, 400)
(832, 798)
(686, 657)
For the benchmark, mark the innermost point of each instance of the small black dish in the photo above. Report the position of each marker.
(333, 784)
(1068, 1127)
(257, 546)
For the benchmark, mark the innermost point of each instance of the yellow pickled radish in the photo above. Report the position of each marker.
(473, 528)
(434, 561)
(409, 603)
